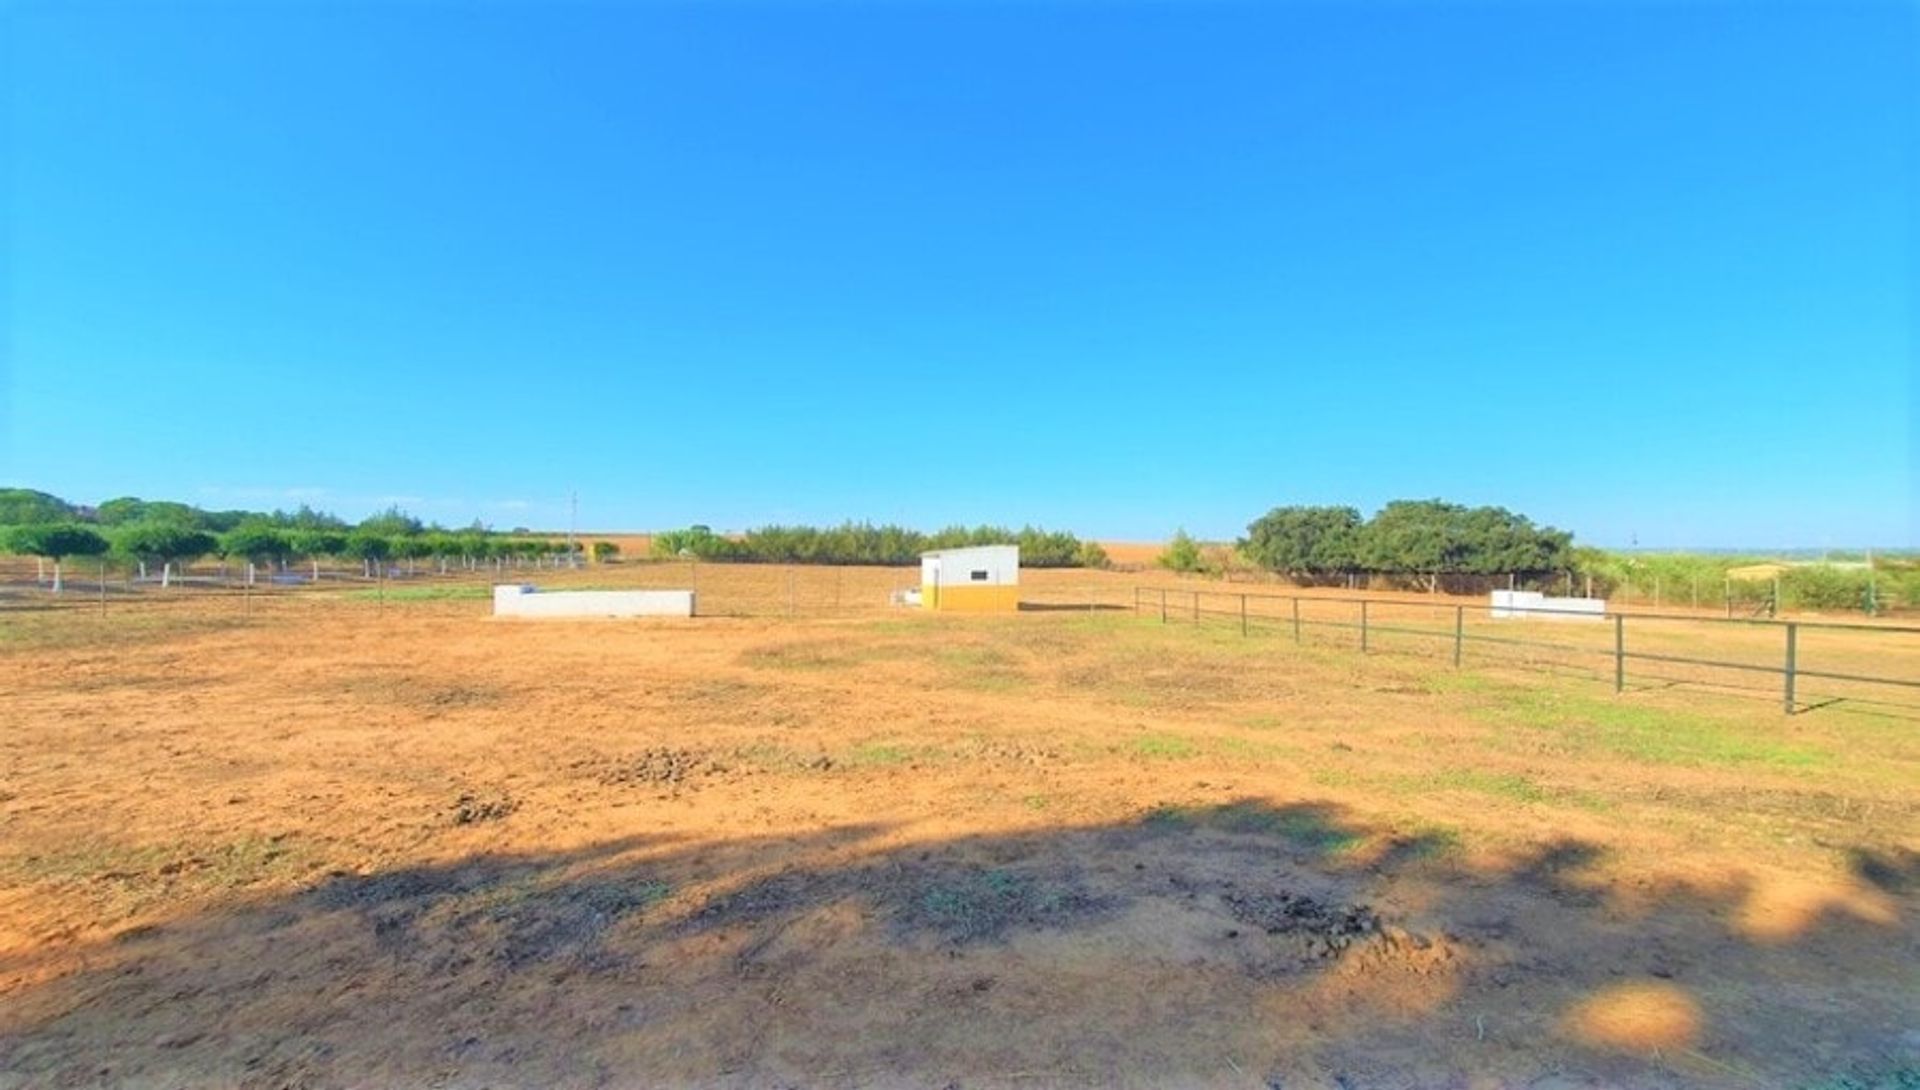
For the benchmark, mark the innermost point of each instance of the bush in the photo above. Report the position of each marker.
(865, 543)
(1182, 555)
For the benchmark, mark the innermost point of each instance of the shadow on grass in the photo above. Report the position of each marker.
(1237, 945)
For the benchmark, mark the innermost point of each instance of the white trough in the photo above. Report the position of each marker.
(523, 600)
(1533, 605)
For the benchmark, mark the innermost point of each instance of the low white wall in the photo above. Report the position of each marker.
(521, 600)
(1533, 605)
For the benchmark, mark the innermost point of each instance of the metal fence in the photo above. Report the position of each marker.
(1858, 660)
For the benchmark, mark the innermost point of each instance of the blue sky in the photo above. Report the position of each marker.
(1642, 271)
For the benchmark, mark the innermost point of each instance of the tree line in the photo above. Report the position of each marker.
(164, 534)
(866, 543)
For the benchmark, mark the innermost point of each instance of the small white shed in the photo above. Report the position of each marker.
(979, 579)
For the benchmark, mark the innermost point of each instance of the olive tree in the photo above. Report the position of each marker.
(369, 548)
(164, 543)
(55, 542)
(316, 543)
(256, 543)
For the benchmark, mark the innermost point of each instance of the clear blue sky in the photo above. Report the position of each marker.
(1643, 271)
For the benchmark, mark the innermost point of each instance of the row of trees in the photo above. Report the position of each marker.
(167, 544)
(865, 543)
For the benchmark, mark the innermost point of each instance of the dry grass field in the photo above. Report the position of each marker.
(322, 840)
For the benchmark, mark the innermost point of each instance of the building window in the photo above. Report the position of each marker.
(979, 576)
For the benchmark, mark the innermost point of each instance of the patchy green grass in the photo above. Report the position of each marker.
(1502, 785)
(970, 905)
(1427, 841)
(133, 876)
(1577, 725)
(464, 593)
(1165, 746)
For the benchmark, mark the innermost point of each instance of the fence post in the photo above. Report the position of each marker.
(1619, 653)
(103, 588)
(1296, 618)
(1793, 642)
(1196, 607)
(1363, 626)
(1243, 614)
(1163, 605)
(1459, 632)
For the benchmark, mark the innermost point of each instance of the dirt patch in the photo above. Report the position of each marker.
(671, 768)
(474, 807)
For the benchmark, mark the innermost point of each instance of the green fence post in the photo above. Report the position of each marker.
(1459, 632)
(1363, 626)
(1296, 619)
(1619, 653)
(1793, 642)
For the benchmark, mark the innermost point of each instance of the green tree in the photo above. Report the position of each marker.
(26, 507)
(1091, 555)
(605, 551)
(1305, 540)
(369, 548)
(1182, 555)
(120, 510)
(55, 542)
(256, 542)
(164, 542)
(392, 522)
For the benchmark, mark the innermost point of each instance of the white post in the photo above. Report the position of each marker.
(249, 573)
(56, 575)
(166, 574)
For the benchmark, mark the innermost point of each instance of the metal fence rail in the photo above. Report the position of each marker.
(1251, 610)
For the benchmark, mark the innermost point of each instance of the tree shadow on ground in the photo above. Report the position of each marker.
(1236, 945)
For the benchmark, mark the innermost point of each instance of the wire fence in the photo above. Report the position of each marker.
(1802, 664)
(1873, 664)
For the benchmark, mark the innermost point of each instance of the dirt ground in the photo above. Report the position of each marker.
(331, 841)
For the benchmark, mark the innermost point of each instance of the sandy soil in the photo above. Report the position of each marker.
(327, 841)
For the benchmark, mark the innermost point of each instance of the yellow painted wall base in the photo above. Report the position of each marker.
(970, 599)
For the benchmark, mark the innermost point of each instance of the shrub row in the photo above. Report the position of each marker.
(865, 543)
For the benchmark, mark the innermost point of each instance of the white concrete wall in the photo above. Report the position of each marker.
(521, 600)
(955, 567)
(1533, 605)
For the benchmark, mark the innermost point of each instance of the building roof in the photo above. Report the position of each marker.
(1015, 549)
